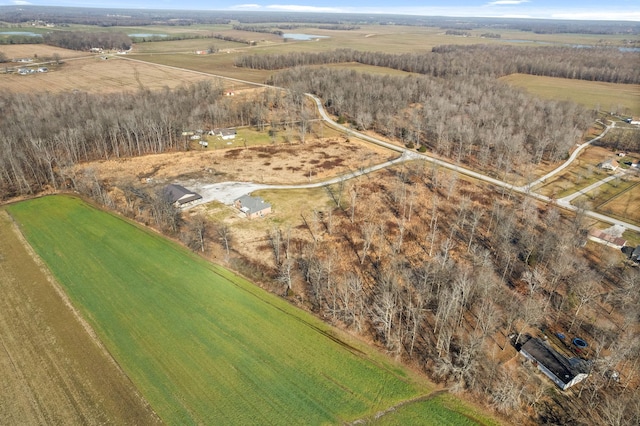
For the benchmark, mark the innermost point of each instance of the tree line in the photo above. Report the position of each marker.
(593, 64)
(475, 120)
(44, 135)
(85, 40)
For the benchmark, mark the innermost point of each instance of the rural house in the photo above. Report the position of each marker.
(565, 372)
(609, 165)
(180, 196)
(252, 207)
(225, 134)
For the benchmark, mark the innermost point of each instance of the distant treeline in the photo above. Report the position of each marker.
(83, 40)
(234, 39)
(18, 39)
(278, 29)
(458, 33)
(335, 27)
(258, 29)
(142, 17)
(593, 64)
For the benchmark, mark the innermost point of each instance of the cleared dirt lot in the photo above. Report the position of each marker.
(53, 371)
(96, 75)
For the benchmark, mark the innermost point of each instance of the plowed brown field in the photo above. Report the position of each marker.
(96, 75)
(52, 371)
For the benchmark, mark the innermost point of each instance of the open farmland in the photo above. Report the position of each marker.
(95, 75)
(617, 198)
(203, 345)
(53, 370)
(579, 175)
(185, 46)
(624, 98)
(41, 51)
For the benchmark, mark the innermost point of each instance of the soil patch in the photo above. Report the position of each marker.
(54, 371)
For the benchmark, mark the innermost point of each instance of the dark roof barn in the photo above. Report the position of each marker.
(180, 195)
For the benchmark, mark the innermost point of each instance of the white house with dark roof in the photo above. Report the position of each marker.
(610, 164)
(252, 207)
(225, 134)
(180, 196)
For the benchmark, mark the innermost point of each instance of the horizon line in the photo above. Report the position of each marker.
(565, 16)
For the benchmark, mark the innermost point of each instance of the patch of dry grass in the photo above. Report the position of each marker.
(590, 94)
(96, 75)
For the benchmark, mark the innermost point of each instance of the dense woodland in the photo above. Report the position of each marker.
(593, 64)
(471, 120)
(81, 40)
(622, 139)
(442, 273)
(45, 134)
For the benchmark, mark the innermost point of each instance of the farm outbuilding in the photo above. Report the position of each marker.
(180, 196)
(252, 207)
(565, 372)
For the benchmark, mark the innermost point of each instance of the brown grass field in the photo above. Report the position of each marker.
(624, 204)
(624, 98)
(13, 51)
(53, 370)
(95, 75)
(185, 46)
(582, 173)
(315, 160)
(619, 198)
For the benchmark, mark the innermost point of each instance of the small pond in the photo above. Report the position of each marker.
(142, 35)
(295, 36)
(20, 33)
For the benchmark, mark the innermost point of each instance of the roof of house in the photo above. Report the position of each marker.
(636, 254)
(180, 194)
(601, 235)
(251, 205)
(223, 132)
(565, 369)
(610, 162)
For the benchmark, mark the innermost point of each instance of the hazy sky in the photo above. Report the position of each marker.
(555, 9)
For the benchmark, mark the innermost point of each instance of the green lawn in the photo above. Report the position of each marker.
(442, 410)
(201, 344)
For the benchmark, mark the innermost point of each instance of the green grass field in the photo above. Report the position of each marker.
(201, 344)
(441, 410)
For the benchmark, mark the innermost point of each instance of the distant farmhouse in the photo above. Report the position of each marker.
(610, 164)
(565, 372)
(252, 207)
(180, 196)
(225, 134)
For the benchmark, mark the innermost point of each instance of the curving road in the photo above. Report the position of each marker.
(407, 154)
(524, 189)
